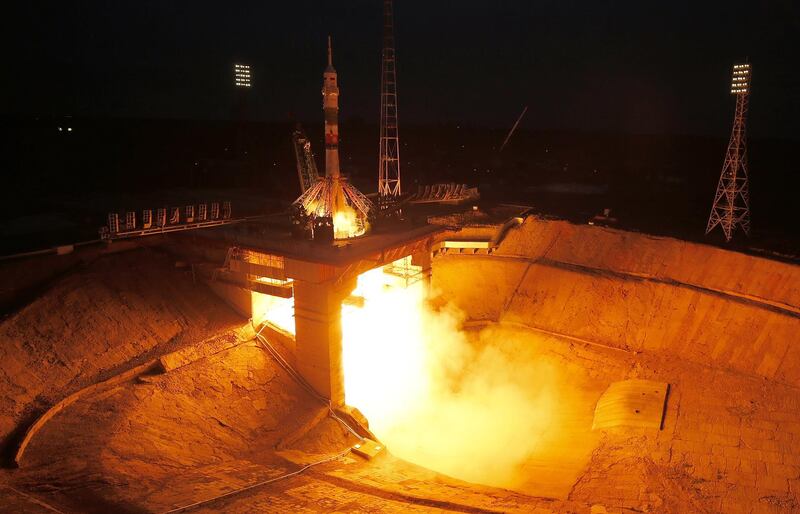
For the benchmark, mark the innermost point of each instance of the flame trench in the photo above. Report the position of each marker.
(275, 310)
(383, 352)
(466, 405)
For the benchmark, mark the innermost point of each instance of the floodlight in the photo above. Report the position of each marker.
(241, 75)
(740, 82)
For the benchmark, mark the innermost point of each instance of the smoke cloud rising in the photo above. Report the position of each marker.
(476, 405)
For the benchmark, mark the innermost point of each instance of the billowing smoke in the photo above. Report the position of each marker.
(479, 406)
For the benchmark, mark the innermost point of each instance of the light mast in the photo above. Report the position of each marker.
(731, 208)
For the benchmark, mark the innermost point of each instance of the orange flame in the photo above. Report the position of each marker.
(462, 404)
(346, 224)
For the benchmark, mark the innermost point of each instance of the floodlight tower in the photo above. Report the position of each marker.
(389, 151)
(242, 85)
(732, 201)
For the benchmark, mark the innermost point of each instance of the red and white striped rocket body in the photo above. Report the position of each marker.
(330, 105)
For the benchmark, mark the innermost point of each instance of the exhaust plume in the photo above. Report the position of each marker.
(473, 405)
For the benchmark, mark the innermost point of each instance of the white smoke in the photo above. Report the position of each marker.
(473, 405)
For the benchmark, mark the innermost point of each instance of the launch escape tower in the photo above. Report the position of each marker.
(389, 151)
(732, 200)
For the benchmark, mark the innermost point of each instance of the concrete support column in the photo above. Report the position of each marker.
(425, 259)
(318, 324)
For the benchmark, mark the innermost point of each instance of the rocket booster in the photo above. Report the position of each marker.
(330, 105)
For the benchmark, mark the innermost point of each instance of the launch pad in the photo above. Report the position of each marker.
(264, 267)
(562, 310)
(259, 268)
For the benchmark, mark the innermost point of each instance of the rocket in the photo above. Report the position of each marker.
(330, 105)
(337, 208)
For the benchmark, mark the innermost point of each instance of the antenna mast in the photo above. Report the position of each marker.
(732, 201)
(389, 151)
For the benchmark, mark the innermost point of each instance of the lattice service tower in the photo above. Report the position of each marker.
(732, 202)
(389, 152)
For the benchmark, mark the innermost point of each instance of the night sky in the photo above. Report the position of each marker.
(640, 67)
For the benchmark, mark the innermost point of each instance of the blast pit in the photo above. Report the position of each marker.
(478, 405)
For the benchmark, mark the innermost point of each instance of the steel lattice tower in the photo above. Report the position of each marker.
(732, 201)
(389, 151)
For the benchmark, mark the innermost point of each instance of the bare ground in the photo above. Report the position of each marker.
(730, 443)
(94, 322)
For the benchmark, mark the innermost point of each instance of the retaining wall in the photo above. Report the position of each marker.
(637, 292)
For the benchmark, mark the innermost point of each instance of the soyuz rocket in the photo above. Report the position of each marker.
(338, 210)
(330, 106)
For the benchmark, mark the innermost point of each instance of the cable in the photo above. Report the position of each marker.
(259, 484)
(33, 499)
(299, 379)
(294, 374)
(302, 381)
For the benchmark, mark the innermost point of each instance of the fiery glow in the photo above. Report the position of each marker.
(278, 311)
(346, 224)
(377, 350)
(336, 198)
(467, 405)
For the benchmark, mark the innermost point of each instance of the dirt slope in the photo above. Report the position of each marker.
(157, 442)
(95, 322)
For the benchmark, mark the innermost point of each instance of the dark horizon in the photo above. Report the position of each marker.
(629, 68)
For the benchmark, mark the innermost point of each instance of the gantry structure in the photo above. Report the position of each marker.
(731, 208)
(389, 151)
(306, 164)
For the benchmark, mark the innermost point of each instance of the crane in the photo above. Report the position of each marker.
(511, 132)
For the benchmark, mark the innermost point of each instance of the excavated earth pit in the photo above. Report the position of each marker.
(572, 308)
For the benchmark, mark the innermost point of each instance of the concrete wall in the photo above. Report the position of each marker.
(637, 292)
(666, 258)
(238, 298)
